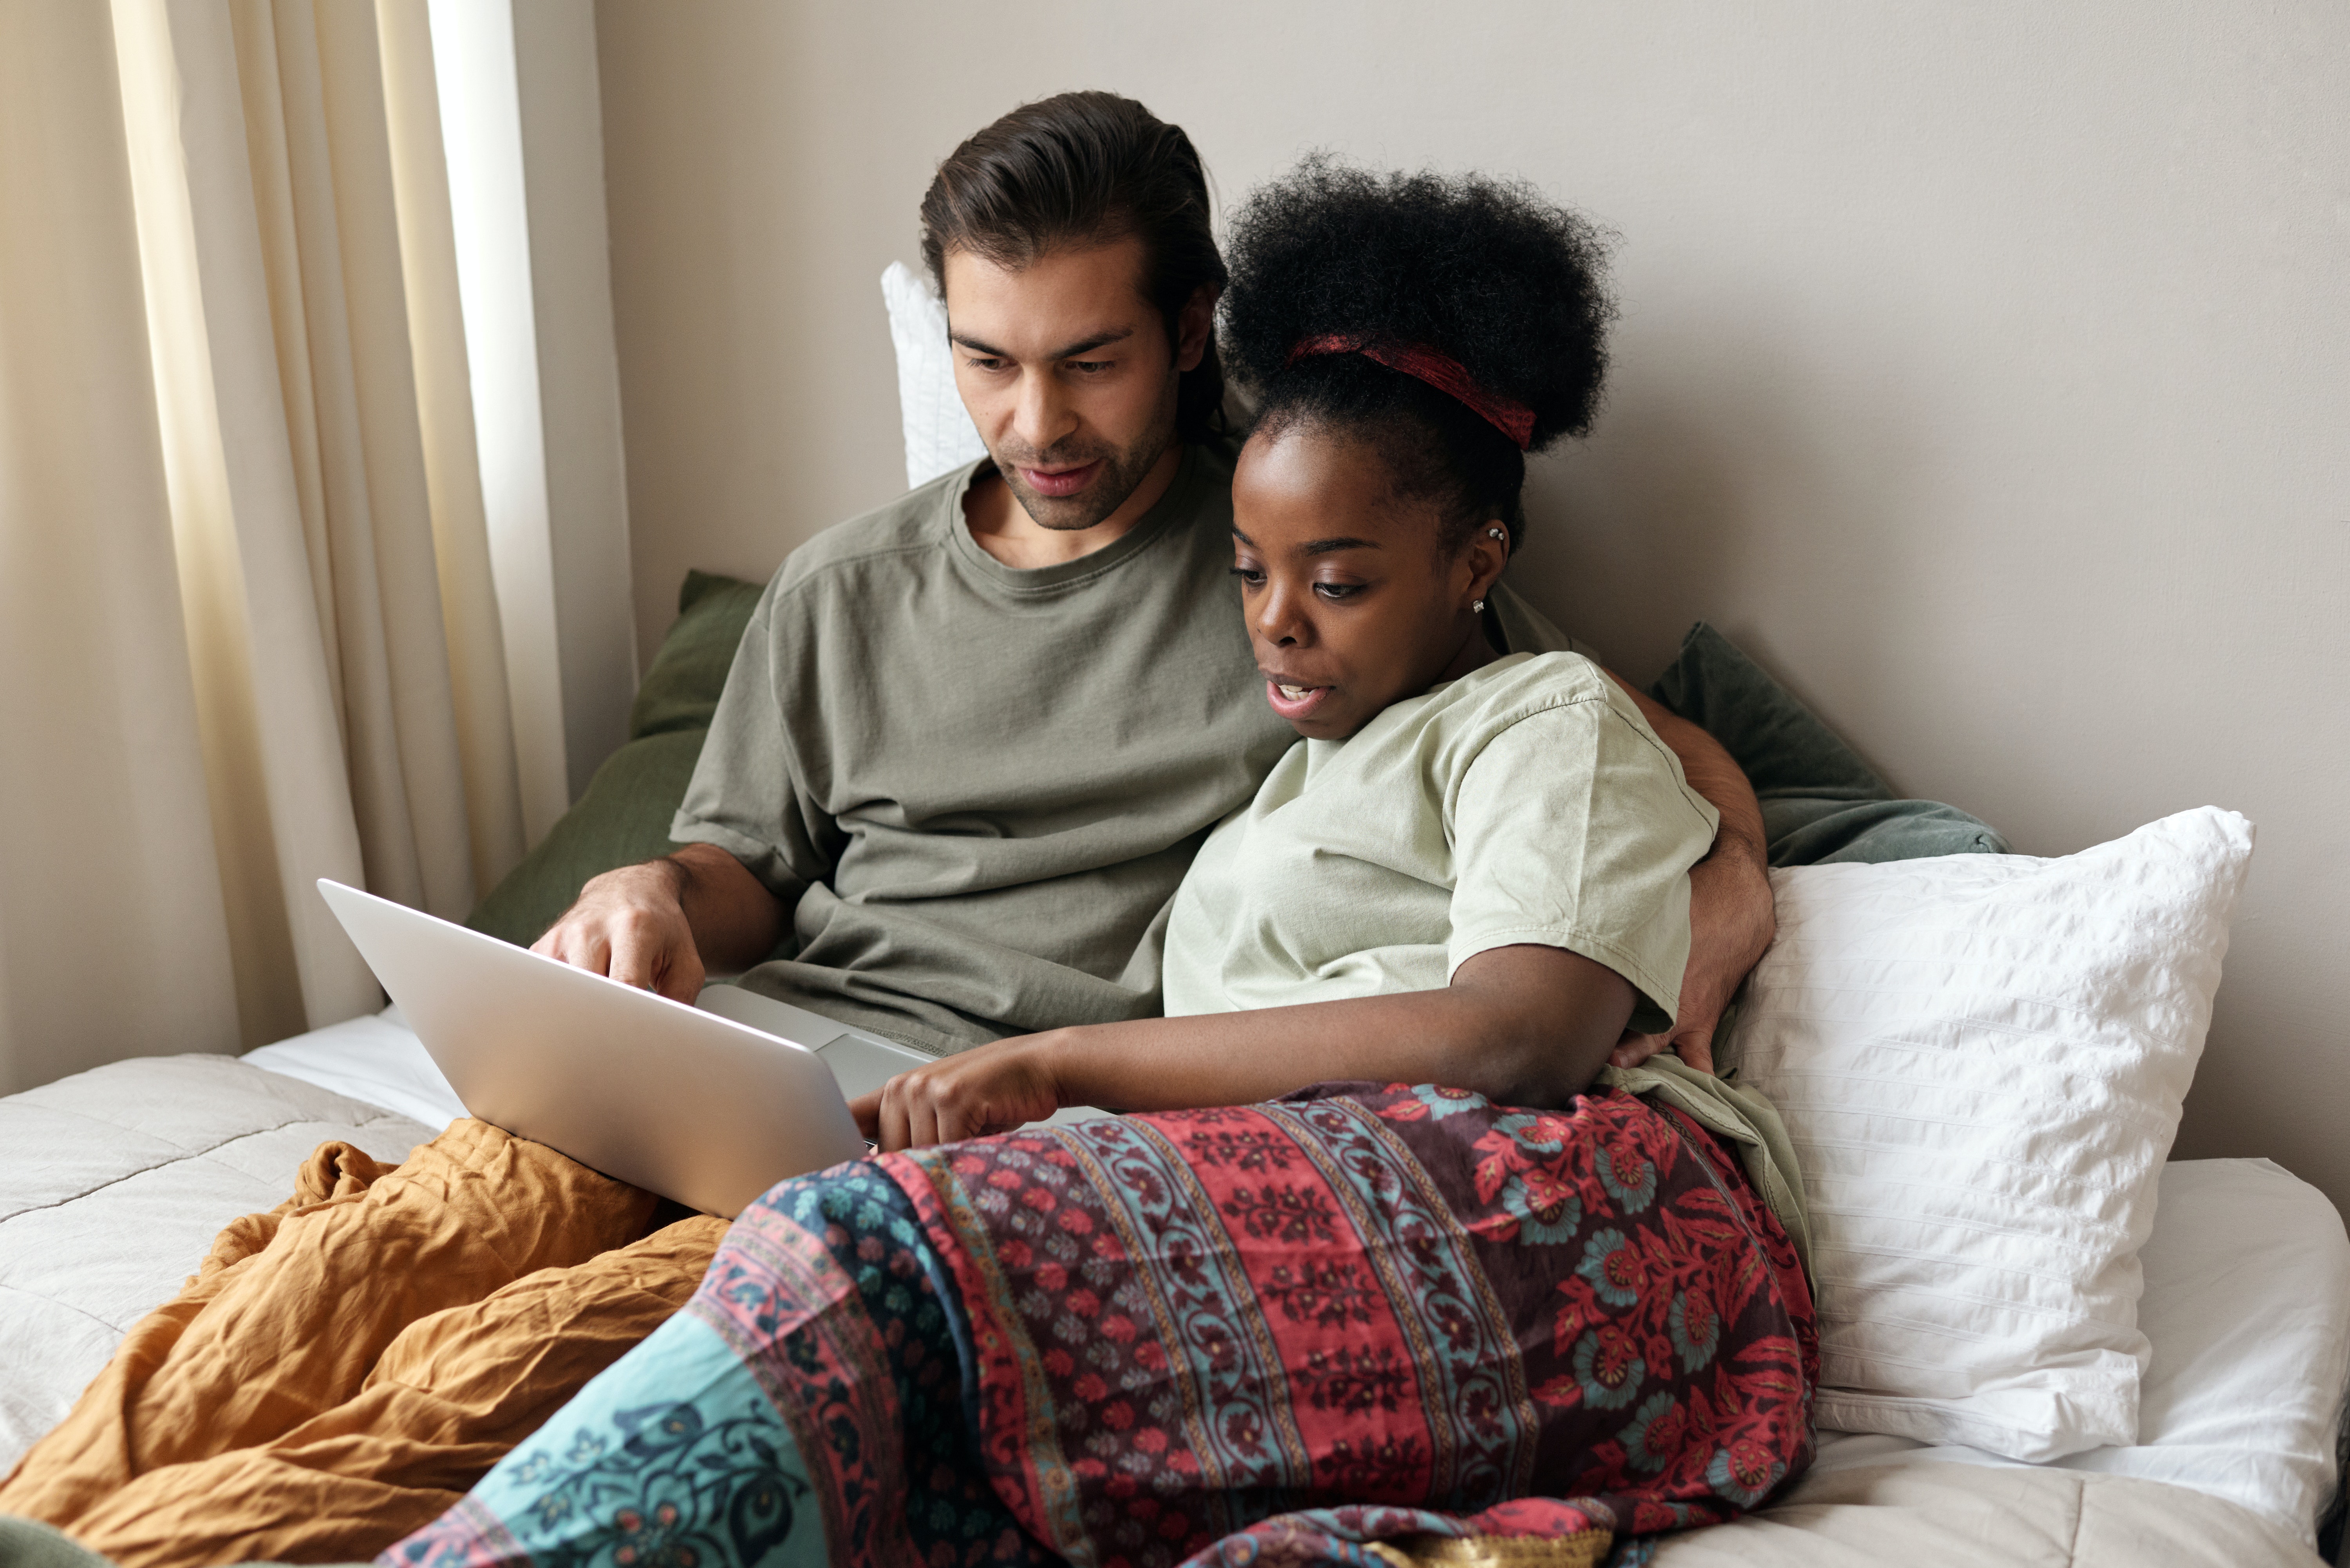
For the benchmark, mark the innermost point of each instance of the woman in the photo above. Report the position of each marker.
(1490, 1304)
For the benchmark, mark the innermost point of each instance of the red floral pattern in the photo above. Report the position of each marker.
(1204, 1335)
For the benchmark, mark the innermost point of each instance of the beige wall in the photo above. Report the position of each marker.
(1984, 370)
(578, 382)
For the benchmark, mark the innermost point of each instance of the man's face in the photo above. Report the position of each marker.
(1067, 371)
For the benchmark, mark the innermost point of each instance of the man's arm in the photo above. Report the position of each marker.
(1731, 916)
(662, 925)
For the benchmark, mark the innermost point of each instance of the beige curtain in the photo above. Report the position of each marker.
(319, 628)
(111, 912)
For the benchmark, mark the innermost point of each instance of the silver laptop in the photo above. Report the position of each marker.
(710, 1105)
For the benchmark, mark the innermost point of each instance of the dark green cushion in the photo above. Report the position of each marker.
(625, 814)
(1820, 802)
(681, 690)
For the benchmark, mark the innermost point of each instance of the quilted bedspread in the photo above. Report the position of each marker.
(114, 1184)
(1961, 1516)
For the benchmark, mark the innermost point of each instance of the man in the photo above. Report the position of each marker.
(972, 739)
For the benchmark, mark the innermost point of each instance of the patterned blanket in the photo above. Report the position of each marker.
(1360, 1325)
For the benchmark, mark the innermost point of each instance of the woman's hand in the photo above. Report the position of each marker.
(987, 1089)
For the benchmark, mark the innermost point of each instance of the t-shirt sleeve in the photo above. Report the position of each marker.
(746, 795)
(1573, 827)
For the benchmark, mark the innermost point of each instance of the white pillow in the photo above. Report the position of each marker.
(938, 433)
(1981, 1061)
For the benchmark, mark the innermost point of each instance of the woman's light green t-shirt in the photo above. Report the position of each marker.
(1526, 803)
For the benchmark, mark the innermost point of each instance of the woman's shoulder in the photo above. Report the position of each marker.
(1518, 685)
(1539, 706)
(1449, 728)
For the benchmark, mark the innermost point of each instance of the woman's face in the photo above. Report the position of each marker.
(1351, 600)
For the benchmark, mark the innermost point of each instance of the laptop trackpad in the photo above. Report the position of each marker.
(862, 1065)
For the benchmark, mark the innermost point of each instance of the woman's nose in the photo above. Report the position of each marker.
(1278, 622)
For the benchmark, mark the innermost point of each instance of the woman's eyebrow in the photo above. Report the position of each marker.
(1318, 546)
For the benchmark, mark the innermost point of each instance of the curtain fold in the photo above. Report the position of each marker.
(291, 616)
(488, 748)
(345, 319)
(111, 902)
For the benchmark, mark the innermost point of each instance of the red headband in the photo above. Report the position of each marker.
(1439, 370)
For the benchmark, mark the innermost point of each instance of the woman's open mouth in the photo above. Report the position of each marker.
(1058, 482)
(1294, 702)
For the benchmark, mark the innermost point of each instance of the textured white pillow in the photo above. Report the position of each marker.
(1981, 1060)
(938, 433)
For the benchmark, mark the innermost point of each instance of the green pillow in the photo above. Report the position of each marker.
(681, 690)
(1820, 802)
(625, 814)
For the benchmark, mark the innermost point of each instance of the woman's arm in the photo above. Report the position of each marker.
(1523, 1026)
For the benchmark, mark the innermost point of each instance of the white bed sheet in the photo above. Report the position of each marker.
(113, 1184)
(2247, 1305)
(376, 1058)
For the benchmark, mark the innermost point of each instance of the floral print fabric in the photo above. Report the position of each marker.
(1270, 1333)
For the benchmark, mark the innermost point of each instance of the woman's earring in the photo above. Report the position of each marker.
(1479, 607)
(1496, 533)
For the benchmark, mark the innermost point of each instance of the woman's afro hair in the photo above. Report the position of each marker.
(1485, 270)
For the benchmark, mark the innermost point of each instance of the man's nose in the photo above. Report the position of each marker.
(1042, 415)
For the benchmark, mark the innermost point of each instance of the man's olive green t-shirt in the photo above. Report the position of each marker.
(976, 786)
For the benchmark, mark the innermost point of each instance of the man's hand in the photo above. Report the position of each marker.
(987, 1089)
(1731, 922)
(655, 926)
(630, 924)
(1731, 919)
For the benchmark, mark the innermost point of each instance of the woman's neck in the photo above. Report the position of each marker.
(1474, 653)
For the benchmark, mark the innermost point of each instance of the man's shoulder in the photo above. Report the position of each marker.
(902, 532)
(1527, 629)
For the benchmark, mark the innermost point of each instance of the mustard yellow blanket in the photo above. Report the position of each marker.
(341, 1370)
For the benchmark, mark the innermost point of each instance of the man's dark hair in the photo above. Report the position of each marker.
(1488, 271)
(1088, 168)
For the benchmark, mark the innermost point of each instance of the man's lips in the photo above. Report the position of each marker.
(1060, 481)
(1307, 701)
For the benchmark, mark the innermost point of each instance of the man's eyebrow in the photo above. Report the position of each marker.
(1082, 346)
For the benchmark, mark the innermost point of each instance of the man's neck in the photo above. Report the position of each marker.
(1001, 526)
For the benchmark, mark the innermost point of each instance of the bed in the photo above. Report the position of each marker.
(117, 1179)
(114, 1183)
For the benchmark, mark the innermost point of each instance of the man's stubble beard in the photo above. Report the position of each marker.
(1122, 473)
